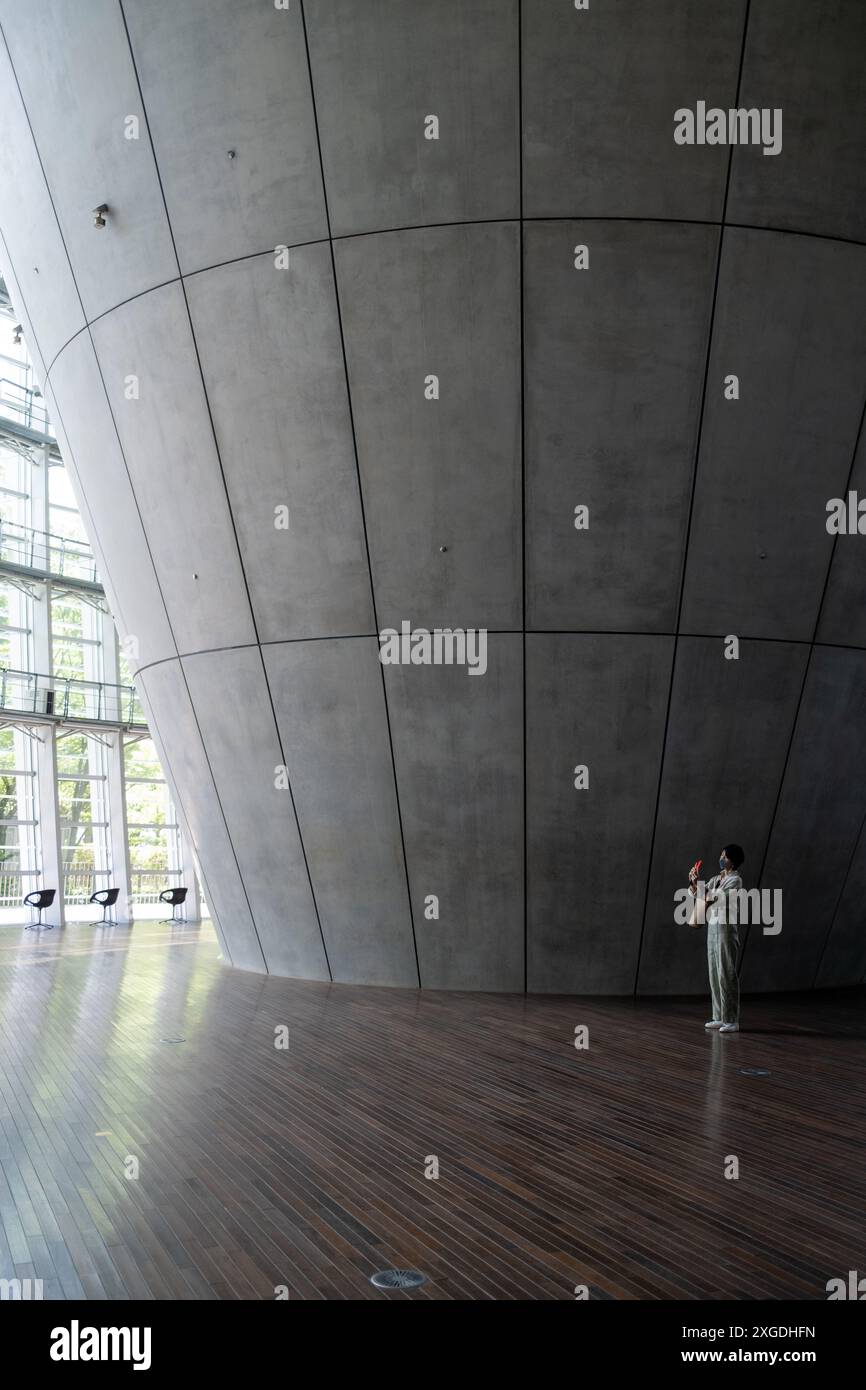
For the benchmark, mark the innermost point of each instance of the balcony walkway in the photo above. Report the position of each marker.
(32, 554)
(33, 698)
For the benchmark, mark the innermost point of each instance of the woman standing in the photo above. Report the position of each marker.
(723, 939)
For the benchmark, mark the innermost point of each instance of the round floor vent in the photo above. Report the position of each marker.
(398, 1279)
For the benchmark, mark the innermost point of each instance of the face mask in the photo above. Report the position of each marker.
(722, 863)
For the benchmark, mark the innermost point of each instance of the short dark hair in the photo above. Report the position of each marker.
(735, 854)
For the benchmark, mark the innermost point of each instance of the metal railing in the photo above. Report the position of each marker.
(42, 551)
(24, 403)
(67, 698)
(145, 885)
(79, 884)
(15, 884)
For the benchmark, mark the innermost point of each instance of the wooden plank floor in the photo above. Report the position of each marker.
(305, 1167)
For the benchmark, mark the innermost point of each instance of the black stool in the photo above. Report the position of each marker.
(106, 898)
(41, 899)
(173, 896)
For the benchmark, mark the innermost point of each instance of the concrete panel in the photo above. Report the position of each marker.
(444, 302)
(843, 958)
(379, 70)
(728, 733)
(78, 116)
(600, 88)
(613, 393)
(220, 75)
(818, 822)
(181, 509)
(805, 56)
(93, 456)
(283, 403)
(458, 749)
(44, 287)
(789, 324)
(843, 616)
(233, 708)
(174, 729)
(173, 463)
(332, 721)
(598, 701)
(177, 802)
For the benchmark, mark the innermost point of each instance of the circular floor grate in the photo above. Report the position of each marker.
(754, 1071)
(398, 1279)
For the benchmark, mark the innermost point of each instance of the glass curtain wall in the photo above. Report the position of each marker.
(19, 840)
(84, 839)
(154, 835)
(106, 806)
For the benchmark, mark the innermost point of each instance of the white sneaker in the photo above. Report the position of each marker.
(730, 1028)
(714, 1023)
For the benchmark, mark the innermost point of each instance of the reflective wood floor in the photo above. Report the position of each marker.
(304, 1168)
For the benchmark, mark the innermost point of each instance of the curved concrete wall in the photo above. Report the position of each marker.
(260, 387)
